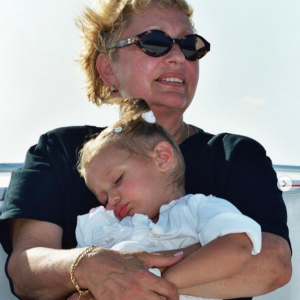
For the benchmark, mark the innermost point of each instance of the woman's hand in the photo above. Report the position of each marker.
(124, 275)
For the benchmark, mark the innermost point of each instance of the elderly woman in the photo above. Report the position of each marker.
(146, 49)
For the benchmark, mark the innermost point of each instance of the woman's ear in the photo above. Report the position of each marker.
(105, 70)
(163, 156)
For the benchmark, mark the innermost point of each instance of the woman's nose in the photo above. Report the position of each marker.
(175, 55)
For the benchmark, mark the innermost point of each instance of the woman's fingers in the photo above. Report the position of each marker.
(142, 285)
(158, 260)
(161, 287)
(135, 285)
(147, 287)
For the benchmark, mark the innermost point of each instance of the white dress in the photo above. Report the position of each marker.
(182, 223)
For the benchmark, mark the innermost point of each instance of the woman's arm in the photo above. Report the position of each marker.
(266, 272)
(36, 248)
(218, 259)
(40, 270)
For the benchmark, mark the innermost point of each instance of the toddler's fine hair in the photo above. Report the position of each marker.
(134, 134)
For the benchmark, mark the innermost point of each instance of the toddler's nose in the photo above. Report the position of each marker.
(113, 200)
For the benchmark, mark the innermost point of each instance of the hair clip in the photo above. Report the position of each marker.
(117, 129)
(149, 116)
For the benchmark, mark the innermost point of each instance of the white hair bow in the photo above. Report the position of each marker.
(149, 117)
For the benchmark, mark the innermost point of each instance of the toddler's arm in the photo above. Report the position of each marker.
(228, 237)
(218, 259)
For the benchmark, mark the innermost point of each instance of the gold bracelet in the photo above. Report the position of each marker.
(74, 265)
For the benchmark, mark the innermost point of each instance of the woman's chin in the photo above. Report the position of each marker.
(174, 101)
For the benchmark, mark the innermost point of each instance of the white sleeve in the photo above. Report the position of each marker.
(218, 217)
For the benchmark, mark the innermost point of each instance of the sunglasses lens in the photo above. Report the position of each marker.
(155, 43)
(193, 47)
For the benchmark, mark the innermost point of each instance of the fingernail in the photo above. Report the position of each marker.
(178, 253)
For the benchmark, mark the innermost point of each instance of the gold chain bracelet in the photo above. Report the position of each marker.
(73, 267)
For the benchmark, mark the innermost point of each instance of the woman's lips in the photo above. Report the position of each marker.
(171, 83)
(120, 211)
(177, 81)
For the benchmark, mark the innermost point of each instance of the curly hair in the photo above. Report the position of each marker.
(103, 26)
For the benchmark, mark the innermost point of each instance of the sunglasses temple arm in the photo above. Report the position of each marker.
(122, 43)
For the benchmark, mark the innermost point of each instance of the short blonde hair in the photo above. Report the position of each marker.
(135, 135)
(102, 27)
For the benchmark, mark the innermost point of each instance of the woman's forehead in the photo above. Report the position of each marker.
(159, 18)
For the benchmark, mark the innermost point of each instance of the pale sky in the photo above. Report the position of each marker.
(249, 82)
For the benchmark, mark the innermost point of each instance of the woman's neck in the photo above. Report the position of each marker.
(172, 122)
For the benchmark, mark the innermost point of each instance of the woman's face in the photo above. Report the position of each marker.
(142, 76)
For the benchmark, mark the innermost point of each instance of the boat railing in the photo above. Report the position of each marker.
(281, 170)
(9, 167)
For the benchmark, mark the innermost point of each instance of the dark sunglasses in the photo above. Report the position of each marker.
(158, 43)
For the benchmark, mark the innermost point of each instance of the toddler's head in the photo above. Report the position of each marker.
(133, 166)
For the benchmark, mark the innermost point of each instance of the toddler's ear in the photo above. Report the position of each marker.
(163, 155)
